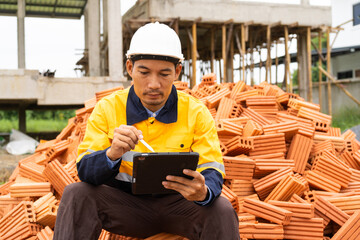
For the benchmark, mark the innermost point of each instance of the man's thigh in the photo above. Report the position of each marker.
(121, 212)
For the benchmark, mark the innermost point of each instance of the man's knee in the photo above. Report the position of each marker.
(222, 206)
(80, 189)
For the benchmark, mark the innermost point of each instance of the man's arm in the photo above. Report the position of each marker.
(99, 159)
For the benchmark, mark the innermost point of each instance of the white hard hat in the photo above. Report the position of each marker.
(155, 39)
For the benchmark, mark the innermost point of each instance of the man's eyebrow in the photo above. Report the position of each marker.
(143, 67)
(166, 70)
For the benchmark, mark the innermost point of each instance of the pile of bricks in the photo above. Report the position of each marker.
(289, 174)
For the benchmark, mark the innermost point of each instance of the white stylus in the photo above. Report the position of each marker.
(147, 145)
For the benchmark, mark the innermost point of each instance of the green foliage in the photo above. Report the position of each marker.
(314, 74)
(347, 118)
(315, 40)
(36, 120)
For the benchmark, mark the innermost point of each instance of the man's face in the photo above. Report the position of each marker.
(153, 81)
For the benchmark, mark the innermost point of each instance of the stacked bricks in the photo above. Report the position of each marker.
(289, 173)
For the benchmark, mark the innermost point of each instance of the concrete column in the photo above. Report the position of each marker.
(305, 2)
(94, 37)
(115, 44)
(22, 118)
(21, 33)
(302, 66)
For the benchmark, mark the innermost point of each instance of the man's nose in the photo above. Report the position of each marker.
(154, 82)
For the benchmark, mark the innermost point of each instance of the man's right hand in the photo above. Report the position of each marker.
(125, 138)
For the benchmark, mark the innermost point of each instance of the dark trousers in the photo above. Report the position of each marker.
(85, 209)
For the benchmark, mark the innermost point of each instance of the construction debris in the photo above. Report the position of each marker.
(290, 175)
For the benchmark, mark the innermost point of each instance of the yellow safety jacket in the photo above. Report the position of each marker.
(184, 124)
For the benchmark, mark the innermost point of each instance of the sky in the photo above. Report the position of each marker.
(57, 44)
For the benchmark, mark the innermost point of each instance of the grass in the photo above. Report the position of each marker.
(347, 118)
(32, 125)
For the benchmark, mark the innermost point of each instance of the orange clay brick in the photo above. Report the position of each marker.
(99, 95)
(239, 167)
(299, 151)
(231, 196)
(338, 142)
(180, 85)
(246, 218)
(224, 127)
(25, 230)
(333, 171)
(267, 144)
(32, 171)
(350, 230)
(66, 132)
(238, 88)
(319, 180)
(348, 204)
(239, 145)
(208, 79)
(284, 190)
(242, 96)
(349, 160)
(214, 100)
(297, 104)
(252, 129)
(267, 211)
(300, 210)
(241, 202)
(330, 210)
(322, 121)
(335, 132)
(304, 229)
(256, 117)
(348, 135)
(57, 176)
(166, 236)
(35, 189)
(45, 234)
(261, 231)
(264, 167)
(290, 128)
(240, 187)
(306, 127)
(265, 185)
(225, 108)
(23, 212)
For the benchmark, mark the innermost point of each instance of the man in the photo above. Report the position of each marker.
(169, 121)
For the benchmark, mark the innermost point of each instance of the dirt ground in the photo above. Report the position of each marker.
(8, 163)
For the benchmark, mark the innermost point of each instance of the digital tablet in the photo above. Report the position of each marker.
(151, 169)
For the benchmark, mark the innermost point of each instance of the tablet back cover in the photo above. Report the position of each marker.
(150, 169)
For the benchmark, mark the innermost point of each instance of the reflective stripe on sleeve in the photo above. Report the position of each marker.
(124, 177)
(213, 164)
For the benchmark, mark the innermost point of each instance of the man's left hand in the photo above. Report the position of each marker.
(192, 190)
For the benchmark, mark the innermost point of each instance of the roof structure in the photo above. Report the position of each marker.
(72, 9)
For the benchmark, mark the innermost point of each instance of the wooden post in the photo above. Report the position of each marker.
(289, 87)
(276, 63)
(251, 61)
(327, 74)
(212, 49)
(260, 65)
(243, 50)
(308, 48)
(328, 68)
(194, 56)
(188, 54)
(224, 52)
(231, 59)
(320, 73)
(268, 58)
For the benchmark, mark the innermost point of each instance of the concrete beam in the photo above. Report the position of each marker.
(93, 13)
(27, 85)
(21, 33)
(115, 44)
(240, 12)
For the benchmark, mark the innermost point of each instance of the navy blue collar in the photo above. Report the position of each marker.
(136, 112)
